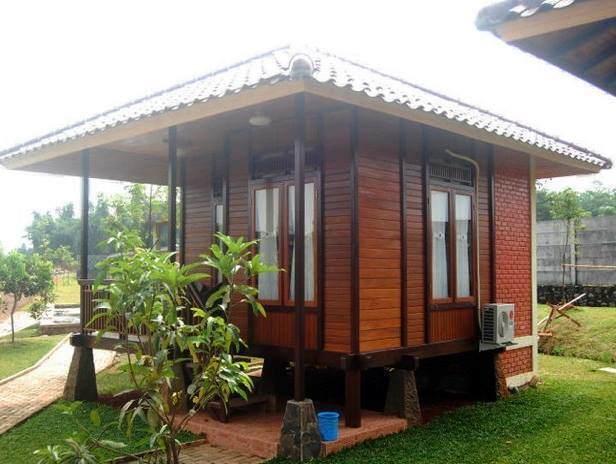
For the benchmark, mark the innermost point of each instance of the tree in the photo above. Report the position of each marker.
(598, 201)
(543, 205)
(50, 231)
(25, 276)
(137, 211)
(565, 206)
(63, 260)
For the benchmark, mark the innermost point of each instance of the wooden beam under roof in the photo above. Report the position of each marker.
(583, 38)
(587, 12)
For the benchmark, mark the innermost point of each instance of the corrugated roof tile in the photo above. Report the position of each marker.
(273, 67)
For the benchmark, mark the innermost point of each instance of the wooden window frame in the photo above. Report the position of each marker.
(283, 183)
(453, 301)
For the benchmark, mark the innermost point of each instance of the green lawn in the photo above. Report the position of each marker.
(67, 290)
(596, 339)
(112, 380)
(28, 348)
(50, 426)
(570, 418)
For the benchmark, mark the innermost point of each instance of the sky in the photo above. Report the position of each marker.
(63, 61)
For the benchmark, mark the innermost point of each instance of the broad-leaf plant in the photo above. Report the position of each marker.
(170, 337)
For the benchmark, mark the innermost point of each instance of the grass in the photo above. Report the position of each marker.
(28, 348)
(112, 380)
(570, 418)
(596, 339)
(67, 290)
(51, 426)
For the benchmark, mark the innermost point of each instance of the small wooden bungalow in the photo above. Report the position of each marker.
(397, 212)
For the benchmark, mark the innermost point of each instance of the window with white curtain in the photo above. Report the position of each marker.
(452, 250)
(310, 238)
(440, 244)
(267, 231)
(463, 245)
(274, 223)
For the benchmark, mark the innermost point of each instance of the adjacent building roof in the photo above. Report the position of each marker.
(578, 36)
(276, 66)
(507, 10)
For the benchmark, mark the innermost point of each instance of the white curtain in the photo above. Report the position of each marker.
(440, 238)
(266, 225)
(309, 242)
(463, 242)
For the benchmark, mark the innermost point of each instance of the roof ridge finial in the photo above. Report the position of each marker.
(301, 64)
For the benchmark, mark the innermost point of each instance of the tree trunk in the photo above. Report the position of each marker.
(564, 257)
(171, 451)
(15, 300)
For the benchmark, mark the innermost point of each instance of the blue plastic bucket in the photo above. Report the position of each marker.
(328, 425)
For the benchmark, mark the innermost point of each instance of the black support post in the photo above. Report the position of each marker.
(183, 211)
(85, 212)
(300, 155)
(81, 378)
(172, 187)
(299, 435)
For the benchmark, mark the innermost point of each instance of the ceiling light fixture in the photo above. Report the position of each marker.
(260, 120)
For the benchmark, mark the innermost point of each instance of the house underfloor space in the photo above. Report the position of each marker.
(258, 432)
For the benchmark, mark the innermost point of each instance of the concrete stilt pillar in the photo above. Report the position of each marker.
(402, 397)
(81, 381)
(500, 379)
(299, 438)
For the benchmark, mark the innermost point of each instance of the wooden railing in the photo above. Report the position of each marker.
(88, 305)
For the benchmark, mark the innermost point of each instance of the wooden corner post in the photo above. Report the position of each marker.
(172, 187)
(352, 377)
(300, 161)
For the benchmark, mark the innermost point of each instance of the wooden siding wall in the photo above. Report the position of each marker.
(198, 208)
(379, 233)
(337, 231)
(277, 328)
(239, 224)
(415, 236)
(483, 153)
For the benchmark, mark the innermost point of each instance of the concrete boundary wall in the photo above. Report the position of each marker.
(594, 243)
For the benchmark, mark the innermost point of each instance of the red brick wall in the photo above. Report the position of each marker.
(513, 250)
(517, 361)
(513, 236)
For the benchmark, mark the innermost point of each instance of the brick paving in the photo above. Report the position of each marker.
(210, 454)
(258, 432)
(25, 395)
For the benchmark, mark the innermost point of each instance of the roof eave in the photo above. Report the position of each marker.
(267, 92)
(212, 107)
(546, 21)
(451, 125)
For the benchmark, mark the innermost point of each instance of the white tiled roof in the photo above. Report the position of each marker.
(273, 67)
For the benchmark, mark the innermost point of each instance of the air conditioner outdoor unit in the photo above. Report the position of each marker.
(498, 324)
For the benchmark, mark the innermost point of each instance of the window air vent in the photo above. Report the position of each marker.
(453, 174)
(280, 164)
